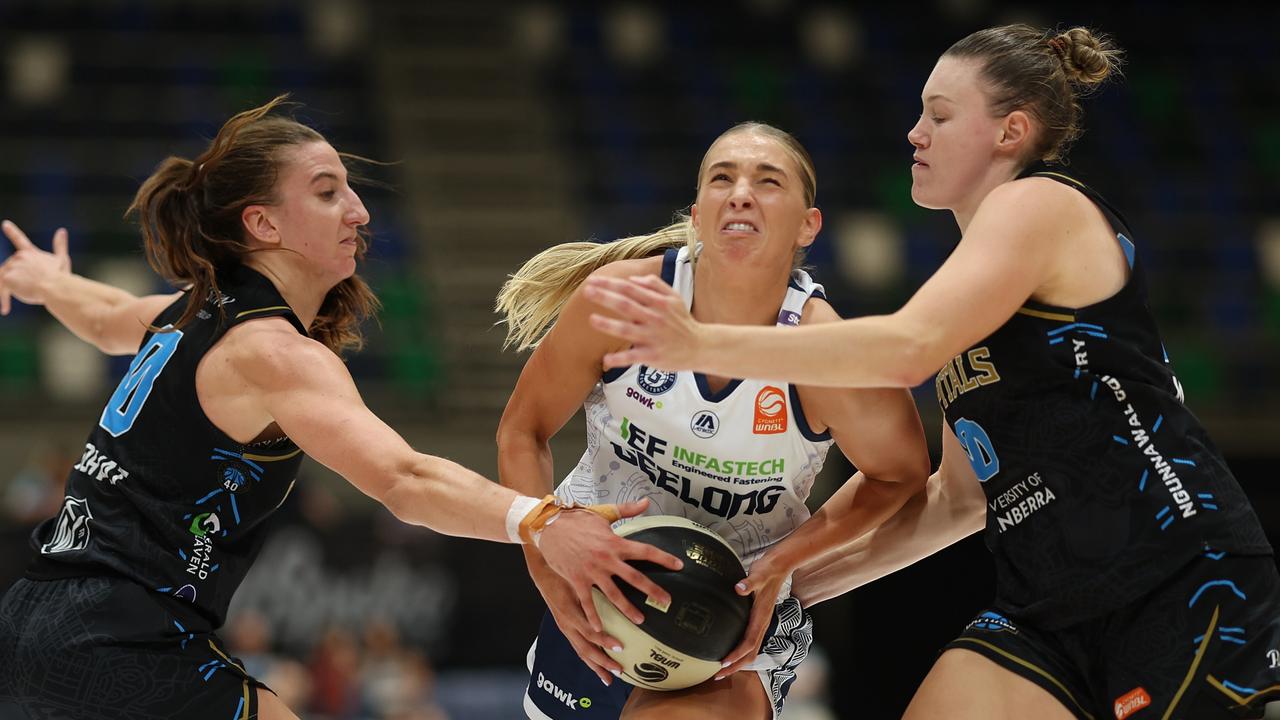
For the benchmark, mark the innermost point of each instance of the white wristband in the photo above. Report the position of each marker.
(519, 508)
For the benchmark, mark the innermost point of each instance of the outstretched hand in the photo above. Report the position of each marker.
(652, 317)
(26, 273)
(765, 581)
(581, 548)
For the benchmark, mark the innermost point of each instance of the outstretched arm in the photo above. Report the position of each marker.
(1006, 254)
(305, 389)
(113, 320)
(950, 507)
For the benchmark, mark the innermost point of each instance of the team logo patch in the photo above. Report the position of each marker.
(71, 531)
(994, 622)
(655, 382)
(234, 477)
(705, 424)
(771, 412)
(1131, 702)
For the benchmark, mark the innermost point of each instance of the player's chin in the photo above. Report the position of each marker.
(921, 196)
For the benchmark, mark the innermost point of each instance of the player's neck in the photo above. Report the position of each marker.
(301, 291)
(737, 295)
(997, 175)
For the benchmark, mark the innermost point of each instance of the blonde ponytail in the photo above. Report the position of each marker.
(531, 299)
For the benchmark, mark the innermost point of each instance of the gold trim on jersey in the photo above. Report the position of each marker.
(1236, 697)
(1032, 667)
(270, 458)
(1195, 664)
(260, 310)
(1068, 178)
(1024, 310)
(223, 655)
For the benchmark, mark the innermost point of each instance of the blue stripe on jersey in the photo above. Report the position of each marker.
(1128, 247)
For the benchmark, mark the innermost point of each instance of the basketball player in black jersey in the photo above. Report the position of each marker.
(1134, 579)
(234, 378)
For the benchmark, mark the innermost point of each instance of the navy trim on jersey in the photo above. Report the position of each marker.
(669, 266)
(802, 422)
(669, 277)
(704, 388)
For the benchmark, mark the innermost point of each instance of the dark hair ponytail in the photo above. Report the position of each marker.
(190, 212)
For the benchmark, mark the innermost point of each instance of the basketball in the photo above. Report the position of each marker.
(682, 645)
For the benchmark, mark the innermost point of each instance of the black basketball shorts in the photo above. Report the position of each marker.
(1204, 645)
(96, 648)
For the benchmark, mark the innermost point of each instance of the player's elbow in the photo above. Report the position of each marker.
(409, 492)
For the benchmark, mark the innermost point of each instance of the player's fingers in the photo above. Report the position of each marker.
(624, 606)
(589, 610)
(644, 584)
(16, 236)
(633, 508)
(649, 553)
(60, 243)
(605, 667)
(627, 358)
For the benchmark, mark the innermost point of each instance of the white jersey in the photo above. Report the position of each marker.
(740, 461)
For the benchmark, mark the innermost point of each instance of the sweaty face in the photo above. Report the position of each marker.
(318, 213)
(954, 138)
(751, 206)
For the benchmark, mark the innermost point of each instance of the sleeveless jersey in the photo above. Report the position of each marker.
(161, 496)
(740, 461)
(1100, 483)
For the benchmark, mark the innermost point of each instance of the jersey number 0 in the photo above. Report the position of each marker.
(127, 401)
(977, 445)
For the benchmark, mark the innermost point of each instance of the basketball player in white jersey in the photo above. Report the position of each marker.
(738, 456)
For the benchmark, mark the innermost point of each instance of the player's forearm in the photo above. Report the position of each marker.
(873, 351)
(82, 305)
(525, 465)
(450, 499)
(937, 516)
(861, 504)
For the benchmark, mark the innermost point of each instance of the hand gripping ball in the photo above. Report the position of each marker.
(681, 645)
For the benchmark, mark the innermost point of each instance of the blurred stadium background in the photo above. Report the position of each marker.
(514, 126)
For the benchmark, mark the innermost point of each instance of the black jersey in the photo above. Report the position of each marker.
(1099, 481)
(161, 496)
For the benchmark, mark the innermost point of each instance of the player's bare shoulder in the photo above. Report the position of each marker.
(270, 352)
(818, 310)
